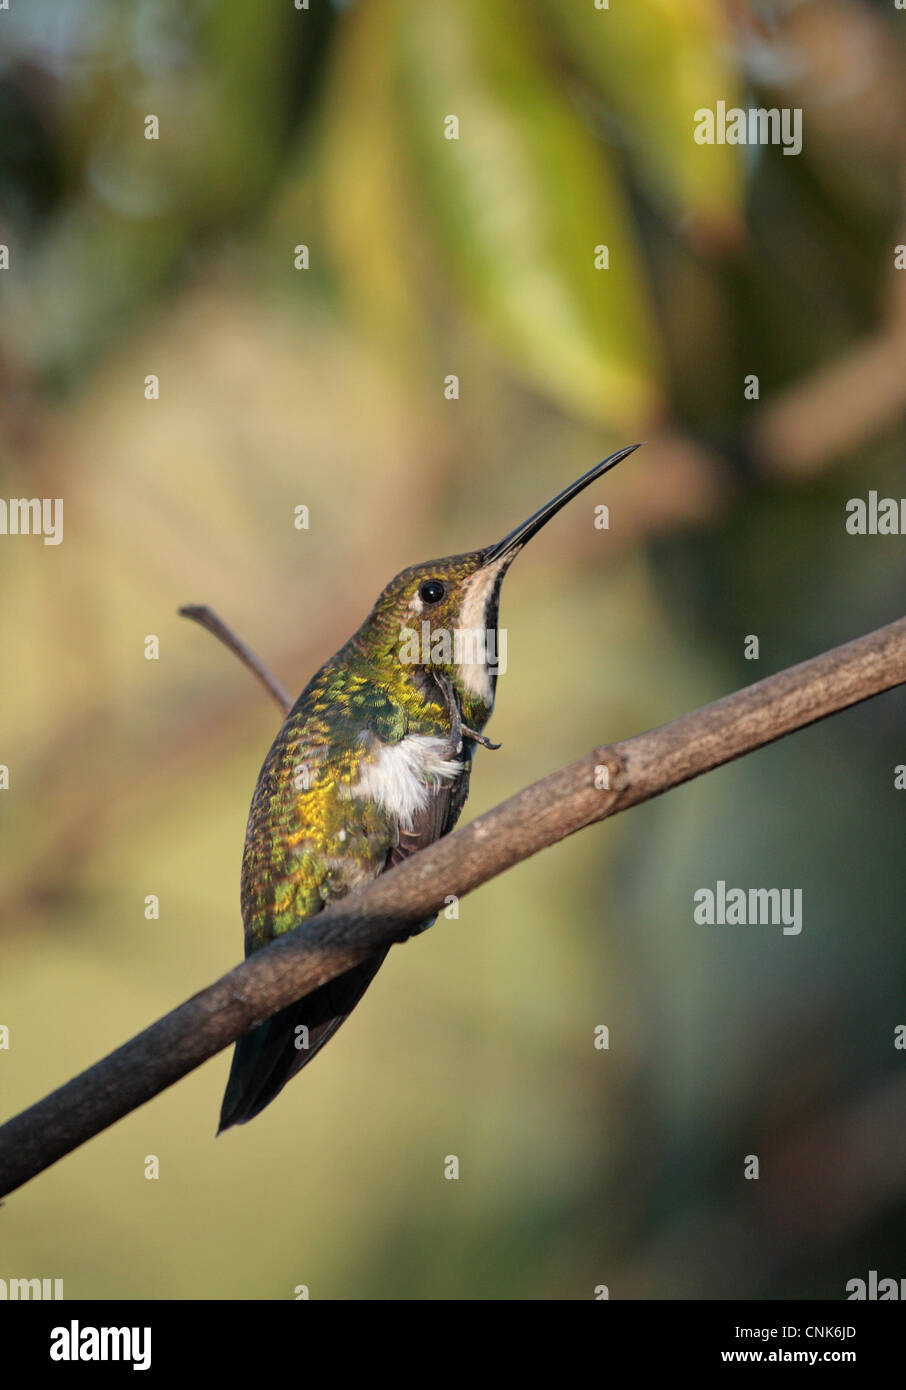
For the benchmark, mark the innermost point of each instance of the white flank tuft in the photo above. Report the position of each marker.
(399, 777)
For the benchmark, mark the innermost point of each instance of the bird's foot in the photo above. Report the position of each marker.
(480, 738)
(458, 730)
(454, 746)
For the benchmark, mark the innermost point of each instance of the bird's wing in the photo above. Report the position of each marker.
(309, 841)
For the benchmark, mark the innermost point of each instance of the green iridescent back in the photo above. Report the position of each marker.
(309, 840)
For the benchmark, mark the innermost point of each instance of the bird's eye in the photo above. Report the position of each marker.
(431, 591)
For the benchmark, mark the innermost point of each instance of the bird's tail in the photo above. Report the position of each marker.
(266, 1058)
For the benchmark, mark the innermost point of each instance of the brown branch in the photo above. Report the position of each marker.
(344, 933)
(206, 617)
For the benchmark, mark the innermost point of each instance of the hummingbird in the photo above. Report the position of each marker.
(372, 763)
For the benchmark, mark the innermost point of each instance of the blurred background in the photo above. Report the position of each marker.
(326, 388)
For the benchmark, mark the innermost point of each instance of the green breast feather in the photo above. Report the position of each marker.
(309, 838)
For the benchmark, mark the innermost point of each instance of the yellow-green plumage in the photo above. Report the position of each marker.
(314, 835)
(372, 763)
(309, 839)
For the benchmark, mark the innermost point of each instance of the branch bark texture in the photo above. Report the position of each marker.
(560, 804)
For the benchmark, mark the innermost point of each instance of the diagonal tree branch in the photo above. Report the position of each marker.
(604, 782)
(206, 617)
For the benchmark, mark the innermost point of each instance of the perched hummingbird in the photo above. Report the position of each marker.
(372, 763)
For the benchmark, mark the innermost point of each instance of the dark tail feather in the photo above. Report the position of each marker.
(266, 1058)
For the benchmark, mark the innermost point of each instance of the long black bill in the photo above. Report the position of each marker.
(516, 539)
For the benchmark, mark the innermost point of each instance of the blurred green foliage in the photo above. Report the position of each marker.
(279, 387)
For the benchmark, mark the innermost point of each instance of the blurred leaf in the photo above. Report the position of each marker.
(137, 207)
(368, 215)
(246, 50)
(519, 202)
(659, 62)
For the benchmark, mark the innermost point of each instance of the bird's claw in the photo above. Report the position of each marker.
(458, 730)
(480, 738)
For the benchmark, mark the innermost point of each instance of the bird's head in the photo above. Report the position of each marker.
(441, 617)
